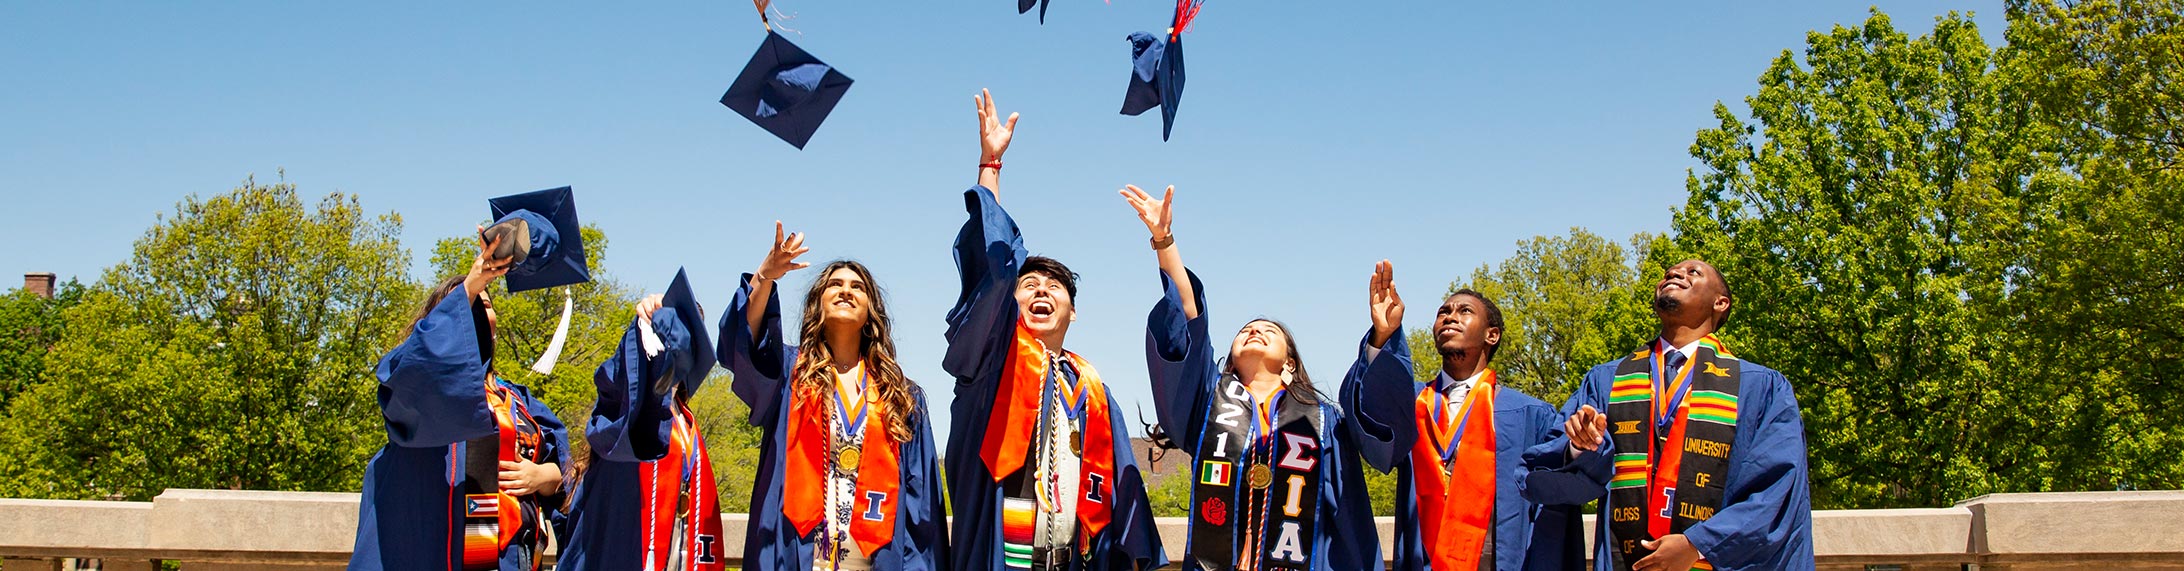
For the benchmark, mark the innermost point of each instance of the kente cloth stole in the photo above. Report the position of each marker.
(1673, 427)
(494, 521)
(1452, 475)
(1256, 471)
(1029, 391)
(681, 526)
(814, 451)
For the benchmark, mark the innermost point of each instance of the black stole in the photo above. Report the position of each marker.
(1639, 442)
(1270, 489)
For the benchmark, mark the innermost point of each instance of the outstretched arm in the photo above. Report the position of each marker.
(1158, 214)
(779, 261)
(993, 140)
(1380, 392)
(988, 251)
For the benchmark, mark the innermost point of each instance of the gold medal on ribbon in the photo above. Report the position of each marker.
(848, 457)
(1261, 477)
(1076, 443)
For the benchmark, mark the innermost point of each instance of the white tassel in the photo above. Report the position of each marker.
(545, 364)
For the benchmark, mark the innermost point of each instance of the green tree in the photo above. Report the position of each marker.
(228, 352)
(29, 327)
(2095, 294)
(1941, 244)
(1568, 303)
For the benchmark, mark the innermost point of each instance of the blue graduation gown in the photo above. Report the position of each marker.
(1382, 397)
(1179, 354)
(631, 427)
(763, 367)
(1765, 520)
(432, 397)
(981, 329)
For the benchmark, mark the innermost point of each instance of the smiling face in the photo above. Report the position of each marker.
(1045, 305)
(845, 298)
(1261, 345)
(1463, 326)
(1693, 292)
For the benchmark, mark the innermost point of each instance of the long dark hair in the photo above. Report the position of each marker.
(1310, 394)
(876, 340)
(438, 294)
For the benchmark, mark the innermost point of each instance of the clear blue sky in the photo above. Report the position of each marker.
(1315, 138)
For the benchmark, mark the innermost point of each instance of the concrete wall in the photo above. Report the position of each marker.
(209, 530)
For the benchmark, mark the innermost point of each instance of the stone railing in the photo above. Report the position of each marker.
(207, 530)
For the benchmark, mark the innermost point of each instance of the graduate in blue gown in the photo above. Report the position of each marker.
(645, 498)
(1276, 484)
(1040, 469)
(1456, 443)
(847, 477)
(1698, 457)
(466, 449)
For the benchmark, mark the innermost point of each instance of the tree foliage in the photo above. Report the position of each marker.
(1568, 302)
(1942, 244)
(29, 327)
(228, 352)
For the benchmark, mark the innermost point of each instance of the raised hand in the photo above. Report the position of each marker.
(993, 135)
(1587, 429)
(649, 304)
(1158, 214)
(781, 257)
(483, 270)
(1387, 305)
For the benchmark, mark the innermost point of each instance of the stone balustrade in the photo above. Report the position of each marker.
(207, 530)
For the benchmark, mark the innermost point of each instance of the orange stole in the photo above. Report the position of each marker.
(483, 545)
(1456, 507)
(1016, 412)
(662, 487)
(811, 441)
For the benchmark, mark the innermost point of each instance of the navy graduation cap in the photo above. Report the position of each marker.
(1023, 6)
(680, 325)
(549, 247)
(786, 90)
(1156, 69)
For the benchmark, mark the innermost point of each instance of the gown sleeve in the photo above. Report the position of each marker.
(1378, 394)
(1178, 358)
(759, 363)
(925, 514)
(1551, 476)
(988, 251)
(432, 385)
(556, 445)
(1132, 531)
(1761, 509)
(1350, 537)
(630, 422)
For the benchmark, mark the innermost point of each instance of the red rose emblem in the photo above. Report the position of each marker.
(1214, 511)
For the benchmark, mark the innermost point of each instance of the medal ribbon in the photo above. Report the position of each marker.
(1456, 503)
(853, 419)
(1440, 426)
(1666, 403)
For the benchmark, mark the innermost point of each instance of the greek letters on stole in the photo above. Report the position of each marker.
(1269, 488)
(494, 521)
(1452, 475)
(1669, 477)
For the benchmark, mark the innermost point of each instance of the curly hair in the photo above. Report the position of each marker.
(876, 340)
